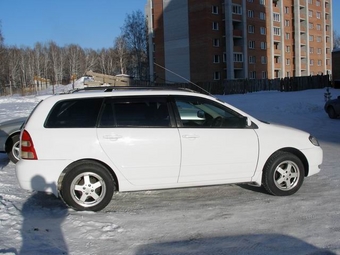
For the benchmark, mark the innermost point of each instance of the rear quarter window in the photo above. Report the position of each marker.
(74, 113)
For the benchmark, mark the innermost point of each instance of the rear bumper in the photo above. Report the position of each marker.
(40, 175)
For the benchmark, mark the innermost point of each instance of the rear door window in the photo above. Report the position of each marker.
(135, 112)
(74, 113)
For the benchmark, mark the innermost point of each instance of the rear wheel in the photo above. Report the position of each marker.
(283, 174)
(13, 148)
(88, 186)
(331, 112)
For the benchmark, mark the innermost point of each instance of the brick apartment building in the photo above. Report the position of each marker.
(215, 40)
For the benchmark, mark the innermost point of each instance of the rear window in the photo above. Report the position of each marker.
(74, 113)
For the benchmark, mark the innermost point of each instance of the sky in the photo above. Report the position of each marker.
(88, 23)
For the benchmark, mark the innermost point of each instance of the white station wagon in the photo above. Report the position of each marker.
(86, 146)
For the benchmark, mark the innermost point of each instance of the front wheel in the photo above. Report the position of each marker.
(283, 174)
(88, 186)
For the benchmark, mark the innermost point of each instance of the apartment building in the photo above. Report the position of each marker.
(215, 40)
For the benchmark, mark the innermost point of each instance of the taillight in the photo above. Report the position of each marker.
(27, 147)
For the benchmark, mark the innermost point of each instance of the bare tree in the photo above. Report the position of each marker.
(122, 52)
(135, 34)
(336, 40)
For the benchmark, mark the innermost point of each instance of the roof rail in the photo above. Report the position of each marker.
(113, 88)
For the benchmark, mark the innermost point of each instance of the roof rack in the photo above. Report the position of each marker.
(113, 88)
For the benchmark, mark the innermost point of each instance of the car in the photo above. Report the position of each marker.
(332, 108)
(85, 146)
(10, 137)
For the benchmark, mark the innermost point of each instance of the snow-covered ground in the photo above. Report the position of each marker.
(230, 219)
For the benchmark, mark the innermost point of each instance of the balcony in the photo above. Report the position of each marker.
(237, 33)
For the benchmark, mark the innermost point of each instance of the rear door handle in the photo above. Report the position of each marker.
(112, 137)
(190, 136)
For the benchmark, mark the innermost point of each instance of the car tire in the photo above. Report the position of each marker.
(331, 112)
(88, 187)
(13, 148)
(283, 174)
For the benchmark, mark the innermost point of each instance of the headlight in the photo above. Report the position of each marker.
(313, 140)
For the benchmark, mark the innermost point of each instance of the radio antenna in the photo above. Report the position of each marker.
(168, 70)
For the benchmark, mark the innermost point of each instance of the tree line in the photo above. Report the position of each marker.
(53, 64)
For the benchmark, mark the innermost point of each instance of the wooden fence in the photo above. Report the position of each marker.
(242, 86)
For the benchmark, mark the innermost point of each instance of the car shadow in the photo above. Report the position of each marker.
(238, 244)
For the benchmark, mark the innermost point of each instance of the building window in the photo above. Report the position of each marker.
(317, 3)
(318, 39)
(216, 42)
(252, 75)
(264, 60)
(310, 13)
(319, 51)
(251, 44)
(252, 59)
(238, 57)
(214, 9)
(328, 50)
(319, 62)
(286, 9)
(263, 45)
(287, 48)
(250, 1)
(310, 1)
(263, 2)
(318, 15)
(277, 59)
(237, 9)
(262, 16)
(216, 58)
(287, 36)
(318, 27)
(311, 38)
(217, 76)
(287, 23)
(287, 61)
(215, 26)
(311, 50)
(250, 14)
(224, 57)
(311, 62)
(277, 31)
(262, 30)
(264, 75)
(311, 26)
(276, 17)
(251, 29)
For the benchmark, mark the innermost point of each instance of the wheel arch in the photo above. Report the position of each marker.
(9, 139)
(84, 161)
(297, 153)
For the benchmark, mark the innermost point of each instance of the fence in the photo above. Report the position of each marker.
(240, 86)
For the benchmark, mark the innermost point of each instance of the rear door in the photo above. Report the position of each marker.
(141, 140)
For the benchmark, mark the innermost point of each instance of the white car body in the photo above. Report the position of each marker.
(158, 158)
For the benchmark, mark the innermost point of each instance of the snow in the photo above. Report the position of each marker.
(229, 219)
